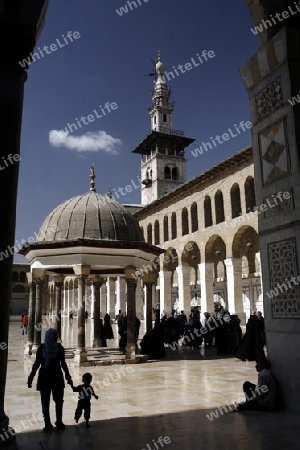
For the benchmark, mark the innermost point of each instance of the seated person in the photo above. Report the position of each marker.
(260, 397)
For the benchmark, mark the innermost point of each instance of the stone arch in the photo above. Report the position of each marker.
(219, 207)
(149, 233)
(250, 194)
(170, 261)
(174, 226)
(166, 228)
(246, 244)
(194, 217)
(185, 221)
(235, 197)
(156, 232)
(190, 257)
(207, 212)
(215, 252)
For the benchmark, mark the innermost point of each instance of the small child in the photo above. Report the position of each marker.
(84, 398)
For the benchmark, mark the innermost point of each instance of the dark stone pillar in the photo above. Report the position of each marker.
(131, 312)
(38, 315)
(19, 29)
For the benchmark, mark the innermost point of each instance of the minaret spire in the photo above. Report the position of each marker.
(92, 179)
(161, 112)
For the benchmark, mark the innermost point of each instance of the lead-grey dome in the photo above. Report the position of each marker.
(90, 216)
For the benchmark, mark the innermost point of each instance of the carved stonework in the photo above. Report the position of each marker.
(283, 206)
(274, 153)
(285, 292)
(269, 99)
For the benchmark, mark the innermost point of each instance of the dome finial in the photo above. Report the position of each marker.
(109, 194)
(160, 68)
(92, 177)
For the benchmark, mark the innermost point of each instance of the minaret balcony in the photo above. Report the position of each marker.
(168, 131)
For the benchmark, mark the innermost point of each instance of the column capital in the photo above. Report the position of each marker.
(130, 274)
(150, 278)
(82, 270)
(236, 263)
(38, 274)
(58, 280)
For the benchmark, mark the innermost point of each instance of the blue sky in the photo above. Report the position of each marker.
(109, 63)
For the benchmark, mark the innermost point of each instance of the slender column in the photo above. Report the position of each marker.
(234, 287)
(38, 315)
(121, 295)
(31, 315)
(184, 288)
(149, 281)
(138, 300)
(103, 300)
(97, 283)
(82, 273)
(58, 295)
(251, 297)
(207, 286)
(131, 312)
(165, 278)
(111, 296)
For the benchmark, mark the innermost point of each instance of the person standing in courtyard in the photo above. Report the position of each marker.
(24, 323)
(50, 358)
(107, 327)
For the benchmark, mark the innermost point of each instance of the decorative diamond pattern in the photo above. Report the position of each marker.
(283, 267)
(274, 154)
(269, 99)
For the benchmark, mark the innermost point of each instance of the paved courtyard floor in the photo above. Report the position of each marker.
(172, 398)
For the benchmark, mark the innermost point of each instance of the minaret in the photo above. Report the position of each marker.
(163, 166)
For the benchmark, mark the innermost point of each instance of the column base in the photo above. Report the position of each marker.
(96, 343)
(130, 351)
(34, 349)
(80, 356)
(28, 349)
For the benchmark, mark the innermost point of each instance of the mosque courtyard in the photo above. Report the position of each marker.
(157, 404)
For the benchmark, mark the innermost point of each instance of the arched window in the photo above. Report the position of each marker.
(174, 173)
(194, 217)
(185, 222)
(235, 196)
(15, 276)
(22, 278)
(167, 173)
(164, 117)
(154, 120)
(156, 232)
(250, 194)
(207, 212)
(149, 234)
(219, 206)
(173, 226)
(166, 228)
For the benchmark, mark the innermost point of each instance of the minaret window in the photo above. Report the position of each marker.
(154, 120)
(174, 173)
(167, 173)
(164, 117)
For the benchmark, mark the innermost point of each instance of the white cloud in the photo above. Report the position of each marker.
(89, 142)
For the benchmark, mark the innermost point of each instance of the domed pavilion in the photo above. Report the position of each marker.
(89, 237)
